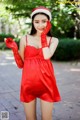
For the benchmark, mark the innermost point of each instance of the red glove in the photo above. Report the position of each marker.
(44, 33)
(12, 44)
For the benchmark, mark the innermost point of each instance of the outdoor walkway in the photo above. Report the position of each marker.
(68, 81)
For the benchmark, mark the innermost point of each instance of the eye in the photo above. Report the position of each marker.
(44, 21)
(36, 21)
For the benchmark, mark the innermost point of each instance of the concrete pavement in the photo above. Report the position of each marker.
(68, 81)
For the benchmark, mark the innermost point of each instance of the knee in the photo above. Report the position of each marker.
(30, 118)
(46, 117)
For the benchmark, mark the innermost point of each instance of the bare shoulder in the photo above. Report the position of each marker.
(23, 40)
(54, 39)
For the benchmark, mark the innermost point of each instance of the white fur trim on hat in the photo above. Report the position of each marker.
(46, 11)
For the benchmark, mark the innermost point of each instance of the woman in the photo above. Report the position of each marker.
(38, 79)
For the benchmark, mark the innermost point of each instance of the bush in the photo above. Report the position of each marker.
(68, 49)
(17, 41)
(3, 35)
(2, 46)
(2, 43)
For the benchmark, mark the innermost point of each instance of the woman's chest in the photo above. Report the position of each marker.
(31, 51)
(34, 42)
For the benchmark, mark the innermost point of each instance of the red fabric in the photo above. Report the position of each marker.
(41, 7)
(44, 33)
(12, 45)
(38, 79)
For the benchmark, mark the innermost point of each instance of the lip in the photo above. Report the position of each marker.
(41, 29)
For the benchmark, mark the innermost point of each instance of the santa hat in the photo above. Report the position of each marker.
(41, 9)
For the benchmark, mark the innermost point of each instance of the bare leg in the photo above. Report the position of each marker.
(30, 110)
(46, 110)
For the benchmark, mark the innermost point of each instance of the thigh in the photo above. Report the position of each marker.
(46, 110)
(30, 110)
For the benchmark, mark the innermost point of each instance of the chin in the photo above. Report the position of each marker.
(39, 31)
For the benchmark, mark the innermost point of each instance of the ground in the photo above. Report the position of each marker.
(68, 81)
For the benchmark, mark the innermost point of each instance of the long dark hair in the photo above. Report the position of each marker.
(33, 30)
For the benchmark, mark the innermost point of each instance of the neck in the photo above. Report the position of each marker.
(37, 34)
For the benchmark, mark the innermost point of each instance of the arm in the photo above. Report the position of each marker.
(49, 51)
(12, 45)
(22, 47)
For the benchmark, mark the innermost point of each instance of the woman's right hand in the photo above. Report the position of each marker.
(11, 44)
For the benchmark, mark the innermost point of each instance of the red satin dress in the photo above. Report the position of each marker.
(38, 79)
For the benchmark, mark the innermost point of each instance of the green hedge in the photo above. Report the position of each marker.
(3, 35)
(2, 44)
(68, 49)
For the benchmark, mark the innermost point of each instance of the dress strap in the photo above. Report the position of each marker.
(50, 41)
(26, 40)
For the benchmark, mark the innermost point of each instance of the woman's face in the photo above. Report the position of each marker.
(40, 22)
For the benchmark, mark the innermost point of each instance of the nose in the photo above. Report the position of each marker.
(40, 25)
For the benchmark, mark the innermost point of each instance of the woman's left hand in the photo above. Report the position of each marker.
(47, 29)
(44, 33)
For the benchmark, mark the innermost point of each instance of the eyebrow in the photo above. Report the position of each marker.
(38, 20)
